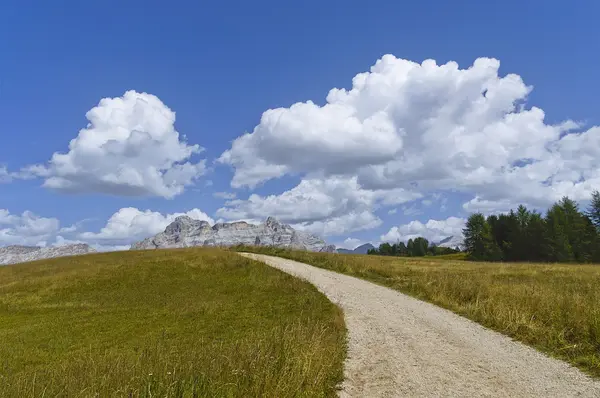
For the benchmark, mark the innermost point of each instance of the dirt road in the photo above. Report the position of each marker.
(402, 347)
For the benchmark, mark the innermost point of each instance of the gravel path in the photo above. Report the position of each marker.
(399, 346)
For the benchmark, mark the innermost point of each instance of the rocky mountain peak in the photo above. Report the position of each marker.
(272, 222)
(185, 223)
(185, 232)
(179, 224)
(19, 254)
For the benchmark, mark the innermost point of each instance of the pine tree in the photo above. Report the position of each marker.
(535, 235)
(511, 244)
(558, 246)
(402, 251)
(385, 249)
(577, 228)
(410, 247)
(565, 234)
(420, 246)
(594, 210)
(479, 240)
(519, 241)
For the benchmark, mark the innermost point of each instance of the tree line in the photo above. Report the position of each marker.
(564, 234)
(417, 247)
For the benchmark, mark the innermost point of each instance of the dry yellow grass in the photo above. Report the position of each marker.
(553, 307)
(168, 323)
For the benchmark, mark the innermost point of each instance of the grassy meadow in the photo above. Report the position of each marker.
(169, 323)
(552, 307)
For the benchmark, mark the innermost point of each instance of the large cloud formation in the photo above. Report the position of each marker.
(426, 127)
(327, 206)
(130, 147)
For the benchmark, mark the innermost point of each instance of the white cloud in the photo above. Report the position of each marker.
(327, 206)
(307, 137)
(392, 211)
(129, 224)
(425, 127)
(478, 205)
(346, 223)
(432, 230)
(129, 147)
(311, 200)
(26, 229)
(225, 195)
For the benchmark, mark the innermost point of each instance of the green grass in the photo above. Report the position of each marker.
(552, 307)
(168, 323)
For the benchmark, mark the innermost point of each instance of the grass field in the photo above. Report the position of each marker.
(169, 323)
(553, 307)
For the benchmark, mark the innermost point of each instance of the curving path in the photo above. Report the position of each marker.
(399, 346)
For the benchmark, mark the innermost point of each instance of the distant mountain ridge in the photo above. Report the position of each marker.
(187, 232)
(21, 254)
(362, 249)
(452, 242)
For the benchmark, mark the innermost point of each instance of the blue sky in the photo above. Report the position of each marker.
(219, 66)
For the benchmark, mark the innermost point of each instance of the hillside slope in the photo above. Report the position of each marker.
(192, 322)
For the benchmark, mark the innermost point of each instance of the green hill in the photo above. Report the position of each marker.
(189, 323)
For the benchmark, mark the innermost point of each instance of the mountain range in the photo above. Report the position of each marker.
(185, 232)
(362, 249)
(20, 254)
(452, 242)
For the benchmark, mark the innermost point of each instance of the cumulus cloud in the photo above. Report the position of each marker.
(351, 222)
(328, 206)
(129, 147)
(130, 224)
(478, 205)
(313, 134)
(432, 230)
(425, 127)
(26, 229)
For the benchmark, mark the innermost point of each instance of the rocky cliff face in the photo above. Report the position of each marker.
(186, 232)
(21, 254)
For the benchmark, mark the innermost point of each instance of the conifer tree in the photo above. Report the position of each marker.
(594, 210)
